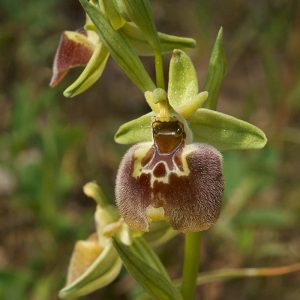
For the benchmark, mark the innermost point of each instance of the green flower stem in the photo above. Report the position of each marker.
(191, 265)
(159, 70)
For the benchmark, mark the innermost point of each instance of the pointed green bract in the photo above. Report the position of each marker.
(146, 272)
(216, 72)
(90, 74)
(225, 132)
(135, 131)
(183, 82)
(139, 11)
(167, 42)
(143, 249)
(119, 48)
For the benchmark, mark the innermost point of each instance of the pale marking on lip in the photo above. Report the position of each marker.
(138, 169)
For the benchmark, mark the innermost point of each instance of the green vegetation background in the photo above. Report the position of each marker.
(50, 146)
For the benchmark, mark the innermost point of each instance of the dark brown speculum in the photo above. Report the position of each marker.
(185, 180)
(164, 155)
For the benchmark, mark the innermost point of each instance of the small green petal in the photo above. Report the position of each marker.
(168, 42)
(90, 74)
(186, 110)
(225, 132)
(119, 48)
(183, 83)
(151, 101)
(216, 72)
(135, 131)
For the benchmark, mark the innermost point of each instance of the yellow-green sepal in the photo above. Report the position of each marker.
(135, 131)
(120, 49)
(91, 73)
(101, 272)
(216, 72)
(225, 132)
(183, 82)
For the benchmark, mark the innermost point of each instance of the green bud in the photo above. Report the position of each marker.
(139, 11)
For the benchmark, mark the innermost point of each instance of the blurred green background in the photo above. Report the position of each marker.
(50, 146)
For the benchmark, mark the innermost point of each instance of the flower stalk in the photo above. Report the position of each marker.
(191, 265)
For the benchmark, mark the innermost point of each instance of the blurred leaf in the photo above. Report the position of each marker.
(225, 132)
(135, 131)
(119, 48)
(14, 284)
(183, 82)
(216, 72)
(155, 283)
(271, 217)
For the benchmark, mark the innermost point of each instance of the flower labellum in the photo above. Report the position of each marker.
(169, 179)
